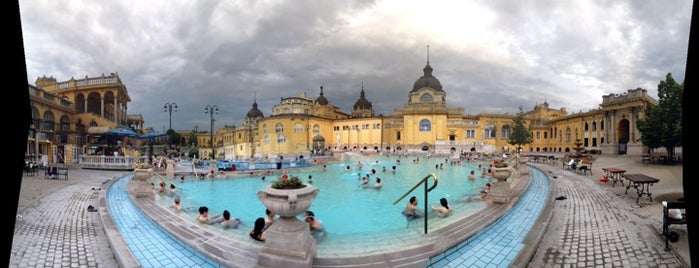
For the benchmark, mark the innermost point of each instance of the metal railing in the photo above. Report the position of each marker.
(423, 181)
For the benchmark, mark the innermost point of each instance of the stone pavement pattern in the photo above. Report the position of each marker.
(600, 226)
(54, 228)
(596, 226)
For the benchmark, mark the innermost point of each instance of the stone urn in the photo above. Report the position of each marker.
(140, 179)
(142, 174)
(523, 168)
(500, 192)
(288, 202)
(502, 173)
(523, 160)
(289, 241)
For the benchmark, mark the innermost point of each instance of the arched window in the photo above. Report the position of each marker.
(594, 125)
(298, 128)
(489, 131)
(281, 138)
(279, 128)
(316, 129)
(426, 98)
(506, 131)
(567, 134)
(425, 125)
(267, 139)
(264, 129)
(65, 123)
(48, 121)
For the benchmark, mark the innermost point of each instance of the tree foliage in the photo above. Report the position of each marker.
(662, 124)
(521, 134)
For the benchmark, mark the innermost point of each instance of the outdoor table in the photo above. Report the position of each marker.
(614, 174)
(642, 184)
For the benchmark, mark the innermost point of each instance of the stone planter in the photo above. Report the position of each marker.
(501, 174)
(289, 242)
(523, 168)
(140, 179)
(142, 174)
(523, 160)
(288, 202)
(500, 192)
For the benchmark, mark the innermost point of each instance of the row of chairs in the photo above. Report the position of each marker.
(50, 172)
(31, 168)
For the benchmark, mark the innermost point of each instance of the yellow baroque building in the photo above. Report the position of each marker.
(303, 125)
(65, 113)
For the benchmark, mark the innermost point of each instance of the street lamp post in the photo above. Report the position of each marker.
(168, 108)
(211, 109)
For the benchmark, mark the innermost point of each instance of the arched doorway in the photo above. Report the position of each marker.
(622, 135)
(318, 145)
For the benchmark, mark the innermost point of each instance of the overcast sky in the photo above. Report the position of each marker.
(490, 56)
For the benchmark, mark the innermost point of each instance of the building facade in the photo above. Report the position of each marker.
(303, 125)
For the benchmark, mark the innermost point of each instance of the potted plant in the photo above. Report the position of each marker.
(501, 170)
(286, 182)
(500, 164)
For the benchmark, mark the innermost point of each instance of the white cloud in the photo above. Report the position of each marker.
(490, 56)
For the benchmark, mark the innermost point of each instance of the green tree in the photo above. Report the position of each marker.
(521, 134)
(662, 124)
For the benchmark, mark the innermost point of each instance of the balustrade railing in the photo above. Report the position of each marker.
(110, 162)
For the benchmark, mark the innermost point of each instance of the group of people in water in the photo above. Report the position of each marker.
(261, 224)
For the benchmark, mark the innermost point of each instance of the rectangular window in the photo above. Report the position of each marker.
(538, 135)
(470, 133)
(397, 135)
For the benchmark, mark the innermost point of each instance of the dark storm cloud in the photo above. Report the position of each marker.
(490, 56)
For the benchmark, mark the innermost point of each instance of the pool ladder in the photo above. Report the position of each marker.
(423, 181)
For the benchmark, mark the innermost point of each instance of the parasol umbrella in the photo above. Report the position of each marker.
(152, 134)
(122, 131)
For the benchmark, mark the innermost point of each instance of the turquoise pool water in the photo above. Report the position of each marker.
(345, 208)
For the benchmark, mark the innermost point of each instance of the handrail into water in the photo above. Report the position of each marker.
(424, 180)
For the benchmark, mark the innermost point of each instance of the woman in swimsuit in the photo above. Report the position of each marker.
(257, 232)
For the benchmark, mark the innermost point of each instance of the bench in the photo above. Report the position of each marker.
(667, 221)
(57, 173)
